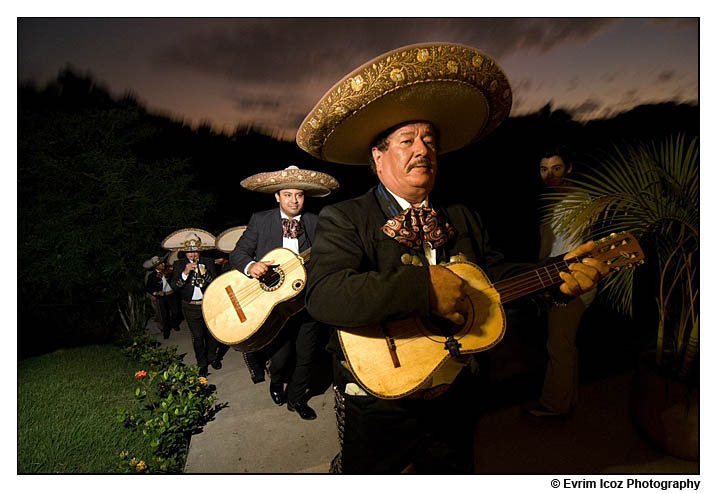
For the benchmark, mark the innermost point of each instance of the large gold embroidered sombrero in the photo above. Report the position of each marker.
(189, 240)
(314, 183)
(461, 91)
(227, 239)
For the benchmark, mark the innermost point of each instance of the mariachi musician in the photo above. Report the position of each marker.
(292, 353)
(190, 277)
(158, 287)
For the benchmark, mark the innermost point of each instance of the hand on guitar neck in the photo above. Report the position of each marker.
(584, 275)
(447, 294)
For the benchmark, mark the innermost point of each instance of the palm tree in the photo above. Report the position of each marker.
(652, 191)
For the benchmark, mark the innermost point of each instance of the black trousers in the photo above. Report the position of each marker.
(205, 346)
(292, 355)
(169, 315)
(384, 436)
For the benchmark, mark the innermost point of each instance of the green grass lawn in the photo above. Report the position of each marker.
(66, 407)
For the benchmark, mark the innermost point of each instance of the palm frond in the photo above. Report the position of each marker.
(651, 190)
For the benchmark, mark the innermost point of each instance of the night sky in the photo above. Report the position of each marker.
(270, 71)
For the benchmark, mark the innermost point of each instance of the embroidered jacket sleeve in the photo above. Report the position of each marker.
(177, 283)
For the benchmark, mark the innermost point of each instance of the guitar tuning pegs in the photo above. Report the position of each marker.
(633, 255)
(641, 262)
(613, 246)
(624, 242)
(612, 235)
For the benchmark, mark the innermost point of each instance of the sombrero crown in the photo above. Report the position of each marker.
(227, 239)
(461, 91)
(189, 240)
(314, 183)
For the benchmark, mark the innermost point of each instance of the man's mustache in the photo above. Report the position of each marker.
(422, 161)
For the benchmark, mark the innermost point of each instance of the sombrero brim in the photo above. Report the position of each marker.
(314, 183)
(458, 89)
(177, 241)
(227, 240)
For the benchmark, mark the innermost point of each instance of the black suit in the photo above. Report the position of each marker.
(357, 278)
(167, 302)
(293, 352)
(264, 233)
(205, 346)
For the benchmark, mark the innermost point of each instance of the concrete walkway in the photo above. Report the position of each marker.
(252, 434)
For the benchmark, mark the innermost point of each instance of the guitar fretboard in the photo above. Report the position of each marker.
(305, 255)
(533, 280)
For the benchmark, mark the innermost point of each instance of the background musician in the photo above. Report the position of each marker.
(191, 276)
(158, 287)
(293, 352)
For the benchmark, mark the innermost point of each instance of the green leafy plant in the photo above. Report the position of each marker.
(172, 405)
(135, 314)
(651, 190)
(146, 349)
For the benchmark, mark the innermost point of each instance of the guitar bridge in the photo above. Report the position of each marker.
(235, 304)
(392, 347)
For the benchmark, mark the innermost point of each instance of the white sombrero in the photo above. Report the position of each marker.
(314, 183)
(461, 91)
(189, 240)
(227, 240)
(154, 261)
(173, 257)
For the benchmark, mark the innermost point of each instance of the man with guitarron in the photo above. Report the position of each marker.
(293, 351)
(377, 257)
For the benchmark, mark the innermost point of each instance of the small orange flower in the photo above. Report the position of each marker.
(140, 374)
(141, 466)
(202, 380)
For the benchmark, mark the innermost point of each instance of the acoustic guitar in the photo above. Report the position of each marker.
(248, 313)
(395, 358)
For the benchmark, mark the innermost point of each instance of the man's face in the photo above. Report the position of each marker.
(291, 201)
(193, 256)
(553, 171)
(408, 165)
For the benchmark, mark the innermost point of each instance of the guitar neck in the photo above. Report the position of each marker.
(533, 280)
(305, 255)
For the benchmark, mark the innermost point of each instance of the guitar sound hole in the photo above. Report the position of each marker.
(273, 280)
(440, 326)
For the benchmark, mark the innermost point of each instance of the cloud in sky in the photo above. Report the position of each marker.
(250, 49)
(270, 71)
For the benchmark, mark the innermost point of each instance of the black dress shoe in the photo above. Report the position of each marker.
(217, 364)
(276, 391)
(176, 328)
(304, 411)
(203, 371)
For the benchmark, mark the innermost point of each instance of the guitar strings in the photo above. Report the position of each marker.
(528, 282)
(254, 291)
